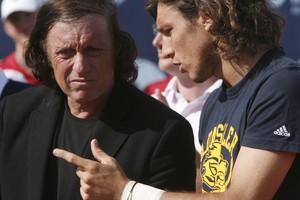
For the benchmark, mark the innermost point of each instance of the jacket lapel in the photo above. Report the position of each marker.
(115, 130)
(111, 141)
(43, 122)
(116, 114)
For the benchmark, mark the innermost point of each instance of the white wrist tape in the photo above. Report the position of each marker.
(138, 191)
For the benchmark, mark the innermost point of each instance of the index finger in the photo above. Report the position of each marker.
(71, 158)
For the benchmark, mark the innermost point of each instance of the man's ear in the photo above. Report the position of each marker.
(8, 28)
(206, 22)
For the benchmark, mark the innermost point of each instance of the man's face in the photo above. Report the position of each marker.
(165, 62)
(189, 44)
(19, 25)
(81, 54)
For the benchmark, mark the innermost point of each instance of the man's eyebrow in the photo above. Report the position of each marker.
(161, 28)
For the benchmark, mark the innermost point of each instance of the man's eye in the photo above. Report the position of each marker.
(166, 32)
(66, 52)
(92, 51)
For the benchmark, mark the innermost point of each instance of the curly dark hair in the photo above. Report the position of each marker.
(36, 55)
(240, 27)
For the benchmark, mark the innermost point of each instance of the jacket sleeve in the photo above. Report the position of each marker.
(173, 160)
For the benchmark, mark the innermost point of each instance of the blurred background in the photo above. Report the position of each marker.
(134, 19)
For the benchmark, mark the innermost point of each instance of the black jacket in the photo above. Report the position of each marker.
(153, 144)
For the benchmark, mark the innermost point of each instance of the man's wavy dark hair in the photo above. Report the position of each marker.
(71, 10)
(240, 26)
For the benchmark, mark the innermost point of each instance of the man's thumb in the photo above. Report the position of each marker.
(98, 153)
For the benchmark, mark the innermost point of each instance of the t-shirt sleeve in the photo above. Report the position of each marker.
(274, 115)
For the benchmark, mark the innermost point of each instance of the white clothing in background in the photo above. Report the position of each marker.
(190, 110)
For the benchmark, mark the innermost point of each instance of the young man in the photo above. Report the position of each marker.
(249, 129)
(184, 95)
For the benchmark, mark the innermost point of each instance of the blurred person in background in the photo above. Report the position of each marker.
(161, 84)
(18, 18)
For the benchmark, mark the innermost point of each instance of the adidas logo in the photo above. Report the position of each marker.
(282, 132)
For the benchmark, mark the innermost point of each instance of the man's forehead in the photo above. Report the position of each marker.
(165, 15)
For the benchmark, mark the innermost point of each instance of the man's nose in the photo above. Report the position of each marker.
(80, 63)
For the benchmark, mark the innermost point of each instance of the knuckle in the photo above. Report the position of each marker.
(72, 159)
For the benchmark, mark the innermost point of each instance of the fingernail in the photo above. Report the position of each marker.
(55, 152)
(95, 142)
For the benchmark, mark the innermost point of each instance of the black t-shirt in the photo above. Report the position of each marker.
(262, 111)
(74, 135)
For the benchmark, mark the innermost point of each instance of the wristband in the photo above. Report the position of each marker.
(137, 191)
(128, 190)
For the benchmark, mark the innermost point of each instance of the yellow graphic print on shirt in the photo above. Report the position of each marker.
(217, 159)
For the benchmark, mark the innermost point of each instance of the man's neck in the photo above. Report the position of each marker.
(233, 72)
